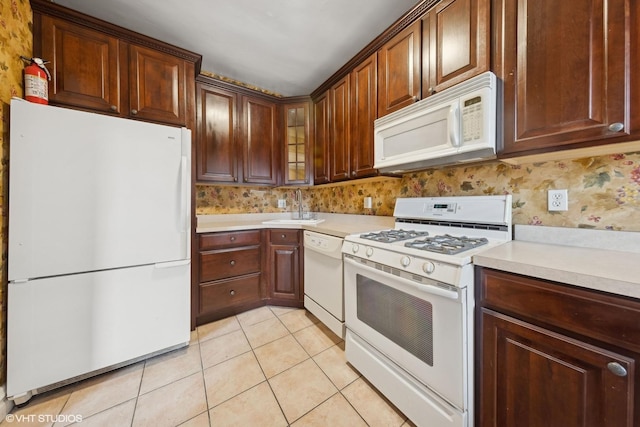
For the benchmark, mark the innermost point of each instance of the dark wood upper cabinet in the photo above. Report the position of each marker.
(363, 113)
(86, 66)
(156, 86)
(566, 72)
(216, 147)
(261, 145)
(339, 139)
(399, 70)
(296, 135)
(101, 67)
(321, 139)
(455, 43)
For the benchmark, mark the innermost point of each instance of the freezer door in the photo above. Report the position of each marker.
(67, 326)
(91, 192)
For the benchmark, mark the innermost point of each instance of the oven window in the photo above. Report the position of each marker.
(404, 319)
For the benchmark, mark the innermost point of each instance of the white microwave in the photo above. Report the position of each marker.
(456, 125)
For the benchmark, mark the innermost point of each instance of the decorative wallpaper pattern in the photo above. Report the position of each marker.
(15, 40)
(604, 192)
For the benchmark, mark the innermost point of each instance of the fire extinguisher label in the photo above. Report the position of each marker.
(36, 86)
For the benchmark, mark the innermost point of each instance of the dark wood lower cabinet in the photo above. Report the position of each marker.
(241, 270)
(550, 355)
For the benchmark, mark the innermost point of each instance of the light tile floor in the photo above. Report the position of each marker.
(272, 366)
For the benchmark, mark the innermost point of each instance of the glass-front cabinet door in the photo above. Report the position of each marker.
(296, 146)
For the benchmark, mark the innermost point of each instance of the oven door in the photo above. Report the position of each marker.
(423, 328)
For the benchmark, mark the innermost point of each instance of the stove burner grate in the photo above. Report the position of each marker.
(395, 235)
(447, 244)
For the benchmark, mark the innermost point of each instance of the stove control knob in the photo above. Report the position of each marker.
(428, 267)
(405, 261)
(355, 248)
(369, 252)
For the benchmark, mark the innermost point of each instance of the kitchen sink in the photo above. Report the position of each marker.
(294, 221)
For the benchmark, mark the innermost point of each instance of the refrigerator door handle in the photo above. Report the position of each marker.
(184, 188)
(172, 264)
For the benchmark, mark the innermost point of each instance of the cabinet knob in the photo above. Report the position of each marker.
(431, 90)
(353, 173)
(233, 238)
(232, 262)
(232, 292)
(283, 236)
(113, 108)
(617, 369)
(134, 111)
(616, 127)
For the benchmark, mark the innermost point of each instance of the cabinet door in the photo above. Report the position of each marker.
(85, 66)
(216, 144)
(339, 125)
(536, 378)
(284, 261)
(455, 43)
(157, 86)
(399, 71)
(296, 143)
(364, 109)
(260, 154)
(565, 68)
(321, 139)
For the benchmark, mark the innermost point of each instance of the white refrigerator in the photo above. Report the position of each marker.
(98, 245)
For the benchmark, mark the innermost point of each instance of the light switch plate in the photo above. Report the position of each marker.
(282, 203)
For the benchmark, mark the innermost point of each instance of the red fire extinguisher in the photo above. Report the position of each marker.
(36, 77)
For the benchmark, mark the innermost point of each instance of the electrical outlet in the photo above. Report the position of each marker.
(558, 200)
(282, 203)
(367, 202)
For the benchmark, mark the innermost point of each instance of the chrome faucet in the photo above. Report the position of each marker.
(299, 199)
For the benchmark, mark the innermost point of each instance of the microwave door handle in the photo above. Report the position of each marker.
(454, 126)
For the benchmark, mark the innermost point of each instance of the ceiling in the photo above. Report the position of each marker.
(288, 47)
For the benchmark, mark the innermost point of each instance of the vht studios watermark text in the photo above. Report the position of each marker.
(42, 418)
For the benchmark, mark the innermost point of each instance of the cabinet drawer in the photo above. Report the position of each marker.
(284, 236)
(607, 318)
(220, 264)
(226, 293)
(228, 240)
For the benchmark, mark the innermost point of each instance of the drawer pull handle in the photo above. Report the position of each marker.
(616, 127)
(232, 292)
(617, 369)
(232, 262)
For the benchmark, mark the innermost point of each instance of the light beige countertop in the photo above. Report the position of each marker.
(339, 225)
(603, 260)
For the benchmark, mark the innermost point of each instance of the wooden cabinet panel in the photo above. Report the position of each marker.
(565, 68)
(364, 109)
(223, 294)
(539, 378)
(399, 70)
(85, 66)
(220, 264)
(229, 239)
(548, 354)
(340, 132)
(285, 267)
(455, 43)
(321, 159)
(216, 148)
(156, 86)
(260, 137)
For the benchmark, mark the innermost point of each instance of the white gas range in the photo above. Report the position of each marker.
(409, 302)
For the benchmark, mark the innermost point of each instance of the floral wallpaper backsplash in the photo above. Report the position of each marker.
(604, 192)
(15, 41)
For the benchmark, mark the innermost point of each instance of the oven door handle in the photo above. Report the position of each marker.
(432, 289)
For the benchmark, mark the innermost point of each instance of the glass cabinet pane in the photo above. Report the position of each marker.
(297, 138)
